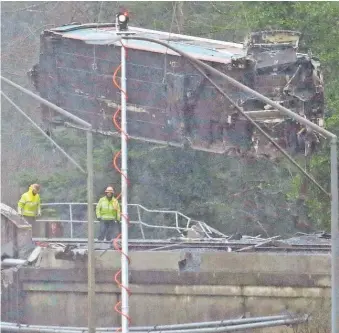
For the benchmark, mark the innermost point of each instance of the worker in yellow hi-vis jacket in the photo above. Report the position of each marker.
(29, 208)
(108, 213)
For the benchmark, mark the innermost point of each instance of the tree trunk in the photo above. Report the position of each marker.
(180, 17)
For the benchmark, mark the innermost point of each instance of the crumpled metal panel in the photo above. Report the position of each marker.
(290, 78)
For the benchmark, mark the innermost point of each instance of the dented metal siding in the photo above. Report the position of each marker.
(90, 93)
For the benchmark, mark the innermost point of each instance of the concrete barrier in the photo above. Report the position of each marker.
(212, 286)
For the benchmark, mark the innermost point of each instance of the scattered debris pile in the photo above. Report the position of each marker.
(76, 249)
(70, 252)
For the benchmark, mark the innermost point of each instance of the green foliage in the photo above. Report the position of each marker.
(67, 184)
(318, 23)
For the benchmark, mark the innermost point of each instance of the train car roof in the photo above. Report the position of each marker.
(200, 48)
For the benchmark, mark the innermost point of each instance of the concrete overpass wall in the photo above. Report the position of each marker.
(175, 287)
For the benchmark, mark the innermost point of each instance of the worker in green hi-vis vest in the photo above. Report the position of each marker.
(108, 213)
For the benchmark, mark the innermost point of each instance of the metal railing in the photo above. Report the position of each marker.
(176, 221)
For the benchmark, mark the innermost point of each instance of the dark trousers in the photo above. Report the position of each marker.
(108, 230)
(37, 227)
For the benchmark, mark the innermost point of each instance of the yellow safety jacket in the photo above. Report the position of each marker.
(108, 209)
(29, 204)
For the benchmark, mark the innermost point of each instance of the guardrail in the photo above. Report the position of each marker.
(179, 221)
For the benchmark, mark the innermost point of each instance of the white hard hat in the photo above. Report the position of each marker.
(109, 189)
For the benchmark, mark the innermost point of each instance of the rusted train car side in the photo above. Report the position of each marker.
(168, 100)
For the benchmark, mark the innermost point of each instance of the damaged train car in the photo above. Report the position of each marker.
(169, 101)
